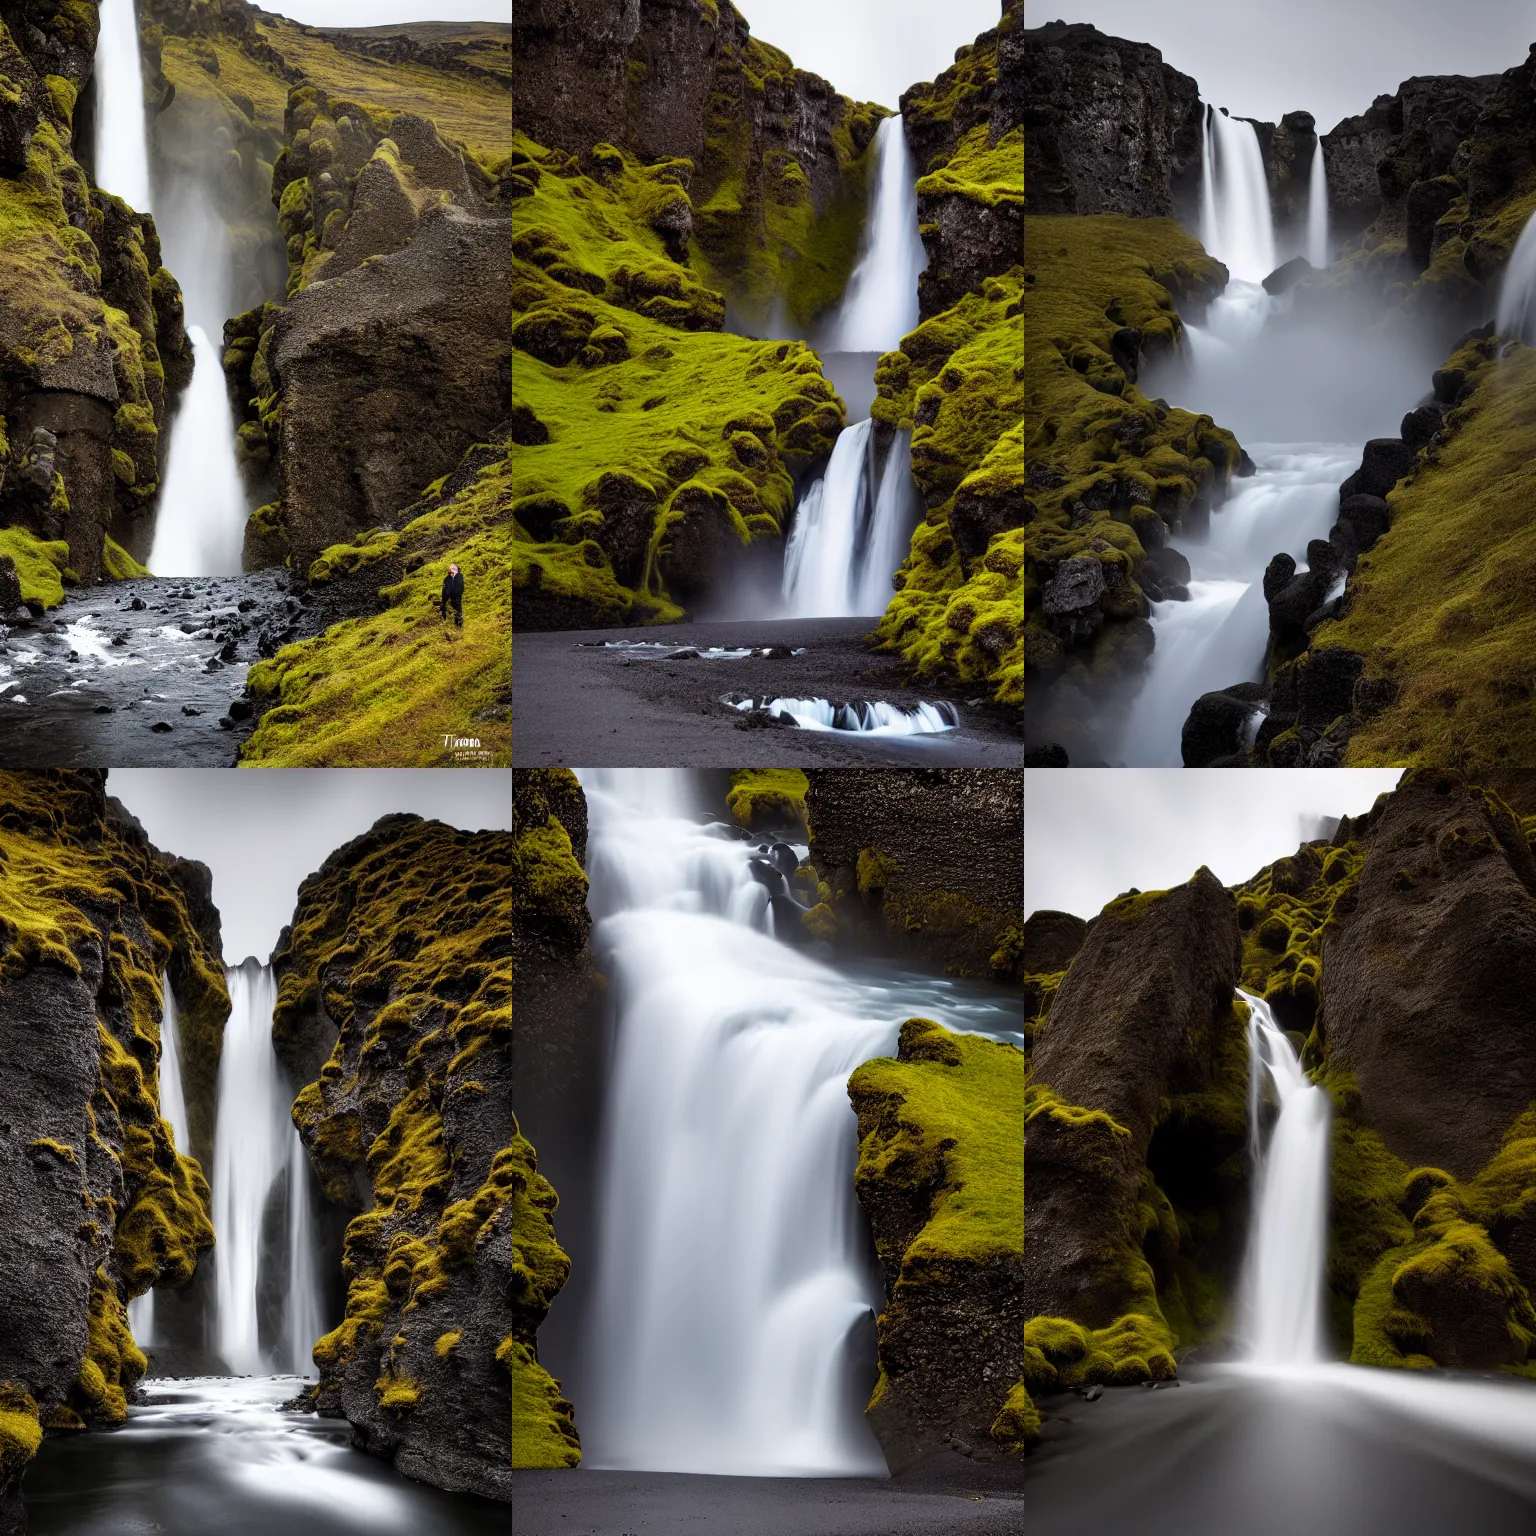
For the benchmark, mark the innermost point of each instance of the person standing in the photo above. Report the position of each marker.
(453, 592)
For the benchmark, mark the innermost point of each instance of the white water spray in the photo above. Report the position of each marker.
(850, 530)
(173, 1110)
(1237, 224)
(1288, 1245)
(733, 1281)
(880, 305)
(255, 1144)
(1318, 252)
(122, 154)
(1517, 295)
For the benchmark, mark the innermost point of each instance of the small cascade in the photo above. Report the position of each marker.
(850, 530)
(1318, 251)
(122, 153)
(866, 717)
(173, 1110)
(256, 1146)
(200, 527)
(1288, 1244)
(1517, 295)
(880, 304)
(1237, 223)
(730, 1321)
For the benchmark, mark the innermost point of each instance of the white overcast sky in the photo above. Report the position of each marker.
(1091, 833)
(1331, 58)
(387, 13)
(871, 50)
(261, 831)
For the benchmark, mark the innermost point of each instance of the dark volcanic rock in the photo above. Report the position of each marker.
(1051, 941)
(1385, 461)
(1294, 597)
(1285, 277)
(1362, 520)
(1140, 1017)
(1427, 986)
(1216, 723)
(1110, 128)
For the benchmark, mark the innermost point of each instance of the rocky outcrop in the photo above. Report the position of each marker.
(98, 1203)
(1136, 1102)
(559, 1089)
(941, 1178)
(396, 972)
(90, 320)
(932, 859)
(1110, 128)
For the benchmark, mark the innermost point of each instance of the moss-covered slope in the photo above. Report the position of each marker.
(90, 321)
(653, 451)
(941, 1177)
(1111, 472)
(399, 960)
(99, 1203)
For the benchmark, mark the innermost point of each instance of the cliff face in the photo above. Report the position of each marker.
(90, 323)
(957, 382)
(396, 972)
(98, 1204)
(1111, 127)
(929, 860)
(558, 1090)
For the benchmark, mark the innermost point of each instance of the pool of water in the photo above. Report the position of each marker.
(217, 1455)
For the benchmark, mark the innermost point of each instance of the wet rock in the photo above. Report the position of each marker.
(1286, 276)
(1420, 426)
(1165, 575)
(1386, 460)
(1326, 684)
(1427, 201)
(161, 726)
(1294, 601)
(1071, 599)
(240, 709)
(1362, 521)
(137, 605)
(10, 586)
(1051, 941)
(775, 653)
(1216, 723)
(1448, 384)
(1049, 754)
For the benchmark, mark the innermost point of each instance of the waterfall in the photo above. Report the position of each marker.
(1237, 224)
(255, 1145)
(733, 1289)
(122, 154)
(1317, 251)
(200, 527)
(1288, 1245)
(1517, 295)
(880, 304)
(173, 1110)
(850, 531)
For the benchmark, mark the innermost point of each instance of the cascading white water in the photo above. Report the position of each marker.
(1318, 251)
(200, 527)
(850, 532)
(1288, 1245)
(255, 1144)
(880, 304)
(122, 154)
(173, 1110)
(868, 717)
(732, 1277)
(1237, 224)
(1517, 294)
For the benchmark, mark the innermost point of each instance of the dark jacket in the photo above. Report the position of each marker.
(453, 588)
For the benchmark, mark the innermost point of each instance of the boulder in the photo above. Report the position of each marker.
(1287, 275)
(1421, 424)
(1071, 599)
(1386, 461)
(1165, 575)
(1325, 684)
(1295, 600)
(1362, 520)
(1217, 723)
(1051, 941)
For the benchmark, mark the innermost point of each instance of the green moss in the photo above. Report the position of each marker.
(39, 564)
(404, 686)
(119, 564)
(1017, 1425)
(447, 1343)
(59, 1149)
(981, 170)
(764, 798)
(874, 869)
(1461, 664)
(1059, 1353)
(113, 1363)
(20, 1432)
(1101, 455)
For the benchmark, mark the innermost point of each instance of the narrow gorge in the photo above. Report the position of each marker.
(262, 1208)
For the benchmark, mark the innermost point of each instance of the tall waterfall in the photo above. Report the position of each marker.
(733, 1292)
(1288, 1245)
(122, 153)
(1318, 251)
(1237, 223)
(255, 1146)
(880, 305)
(1517, 295)
(173, 1110)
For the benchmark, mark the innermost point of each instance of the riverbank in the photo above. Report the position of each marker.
(580, 697)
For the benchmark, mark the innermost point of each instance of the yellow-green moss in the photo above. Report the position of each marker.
(40, 565)
(20, 1432)
(113, 1363)
(1459, 529)
(1017, 1426)
(764, 797)
(404, 687)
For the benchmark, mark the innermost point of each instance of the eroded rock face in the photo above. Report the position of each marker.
(98, 1204)
(935, 856)
(1144, 1015)
(401, 943)
(1433, 1022)
(1110, 127)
